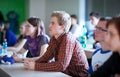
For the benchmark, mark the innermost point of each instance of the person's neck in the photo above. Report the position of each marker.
(57, 35)
(32, 35)
(104, 46)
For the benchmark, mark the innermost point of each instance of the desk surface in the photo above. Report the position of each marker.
(18, 70)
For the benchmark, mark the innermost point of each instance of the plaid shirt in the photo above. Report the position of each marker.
(69, 57)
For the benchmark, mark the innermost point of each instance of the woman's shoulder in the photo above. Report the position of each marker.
(44, 36)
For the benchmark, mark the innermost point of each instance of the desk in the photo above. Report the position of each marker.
(18, 70)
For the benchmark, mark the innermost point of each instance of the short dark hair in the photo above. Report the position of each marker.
(96, 14)
(74, 16)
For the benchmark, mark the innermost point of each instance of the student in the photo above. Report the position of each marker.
(112, 65)
(94, 18)
(8, 34)
(21, 40)
(102, 54)
(79, 31)
(2, 20)
(63, 47)
(74, 24)
(37, 40)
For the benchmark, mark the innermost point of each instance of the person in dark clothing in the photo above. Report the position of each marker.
(1, 17)
(6, 33)
(112, 66)
(1, 27)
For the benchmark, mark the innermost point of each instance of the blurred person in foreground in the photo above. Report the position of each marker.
(112, 65)
(102, 54)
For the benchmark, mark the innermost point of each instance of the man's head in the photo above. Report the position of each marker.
(94, 17)
(73, 19)
(60, 23)
(101, 30)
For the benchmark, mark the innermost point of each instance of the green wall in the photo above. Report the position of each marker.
(19, 6)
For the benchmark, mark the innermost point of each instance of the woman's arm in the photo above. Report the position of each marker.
(18, 46)
(16, 55)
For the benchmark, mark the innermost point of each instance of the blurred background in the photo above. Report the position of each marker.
(43, 9)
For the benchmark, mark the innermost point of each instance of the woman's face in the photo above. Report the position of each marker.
(30, 29)
(113, 38)
(22, 28)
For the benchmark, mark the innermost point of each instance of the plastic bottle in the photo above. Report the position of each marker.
(0, 51)
(4, 48)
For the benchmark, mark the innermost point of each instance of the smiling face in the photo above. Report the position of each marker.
(113, 38)
(22, 28)
(54, 28)
(100, 31)
(30, 29)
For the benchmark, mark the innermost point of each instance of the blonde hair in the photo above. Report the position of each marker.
(63, 19)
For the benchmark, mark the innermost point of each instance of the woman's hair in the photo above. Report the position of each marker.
(21, 37)
(37, 22)
(6, 25)
(116, 22)
(63, 18)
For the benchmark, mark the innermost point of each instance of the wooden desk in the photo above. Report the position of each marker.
(18, 70)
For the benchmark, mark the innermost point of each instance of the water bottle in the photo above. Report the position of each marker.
(0, 51)
(4, 48)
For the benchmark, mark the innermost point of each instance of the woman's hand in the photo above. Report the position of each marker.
(29, 59)
(29, 65)
(16, 57)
